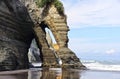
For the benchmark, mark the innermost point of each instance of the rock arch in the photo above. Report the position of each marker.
(58, 25)
(20, 22)
(49, 16)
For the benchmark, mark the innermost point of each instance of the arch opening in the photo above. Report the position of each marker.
(53, 44)
(51, 40)
(34, 53)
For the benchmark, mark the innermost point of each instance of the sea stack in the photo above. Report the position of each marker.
(23, 20)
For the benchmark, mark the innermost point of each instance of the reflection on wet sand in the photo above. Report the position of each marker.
(41, 74)
(21, 74)
(70, 74)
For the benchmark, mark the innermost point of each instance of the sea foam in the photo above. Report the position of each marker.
(95, 65)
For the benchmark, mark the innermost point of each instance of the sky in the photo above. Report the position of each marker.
(94, 28)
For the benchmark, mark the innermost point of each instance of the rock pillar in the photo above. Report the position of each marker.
(58, 25)
(48, 56)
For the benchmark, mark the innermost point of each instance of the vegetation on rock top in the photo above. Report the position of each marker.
(57, 3)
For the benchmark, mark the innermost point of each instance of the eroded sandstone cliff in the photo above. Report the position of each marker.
(16, 34)
(23, 20)
(51, 15)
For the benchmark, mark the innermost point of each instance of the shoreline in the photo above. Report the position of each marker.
(53, 73)
(51, 69)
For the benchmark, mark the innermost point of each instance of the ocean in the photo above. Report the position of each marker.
(96, 70)
(102, 65)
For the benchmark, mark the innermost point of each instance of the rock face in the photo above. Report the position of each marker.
(58, 25)
(20, 22)
(49, 17)
(16, 34)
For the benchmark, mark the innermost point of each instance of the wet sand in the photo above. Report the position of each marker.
(58, 74)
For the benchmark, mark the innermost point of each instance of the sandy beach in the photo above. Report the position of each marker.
(59, 74)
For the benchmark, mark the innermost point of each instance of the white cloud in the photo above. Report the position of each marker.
(110, 51)
(92, 12)
(82, 45)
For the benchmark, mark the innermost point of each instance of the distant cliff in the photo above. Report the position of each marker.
(23, 20)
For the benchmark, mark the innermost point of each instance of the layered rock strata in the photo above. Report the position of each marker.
(23, 20)
(58, 25)
(16, 34)
(49, 17)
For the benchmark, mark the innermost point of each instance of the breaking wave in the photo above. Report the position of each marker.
(96, 65)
